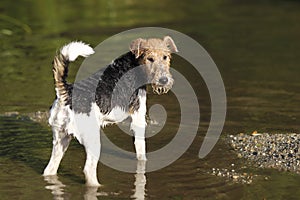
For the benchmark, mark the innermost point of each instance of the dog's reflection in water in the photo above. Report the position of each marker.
(56, 187)
(140, 181)
(91, 193)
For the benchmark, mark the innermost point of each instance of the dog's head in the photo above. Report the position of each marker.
(155, 55)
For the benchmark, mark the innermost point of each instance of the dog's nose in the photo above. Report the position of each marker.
(163, 80)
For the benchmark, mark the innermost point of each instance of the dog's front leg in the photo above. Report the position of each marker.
(139, 141)
(138, 125)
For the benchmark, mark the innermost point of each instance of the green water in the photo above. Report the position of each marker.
(255, 45)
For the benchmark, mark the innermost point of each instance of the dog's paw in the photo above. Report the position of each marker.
(92, 182)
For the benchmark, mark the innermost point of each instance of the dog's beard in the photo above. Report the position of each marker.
(159, 89)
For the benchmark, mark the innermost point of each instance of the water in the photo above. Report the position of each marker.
(254, 44)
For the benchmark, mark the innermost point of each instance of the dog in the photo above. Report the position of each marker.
(106, 103)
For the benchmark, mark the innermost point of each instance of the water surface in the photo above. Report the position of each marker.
(254, 44)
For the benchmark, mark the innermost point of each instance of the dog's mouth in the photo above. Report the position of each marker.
(159, 89)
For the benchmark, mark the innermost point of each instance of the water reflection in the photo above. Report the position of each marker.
(140, 181)
(91, 193)
(56, 187)
(58, 192)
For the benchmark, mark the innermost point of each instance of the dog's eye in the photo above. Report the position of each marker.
(165, 57)
(150, 59)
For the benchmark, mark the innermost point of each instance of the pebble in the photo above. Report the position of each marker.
(233, 175)
(278, 151)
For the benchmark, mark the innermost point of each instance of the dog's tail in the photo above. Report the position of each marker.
(67, 54)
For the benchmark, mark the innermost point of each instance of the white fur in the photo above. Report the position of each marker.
(86, 128)
(74, 49)
(115, 116)
(138, 125)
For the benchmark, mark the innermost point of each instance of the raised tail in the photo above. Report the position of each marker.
(67, 54)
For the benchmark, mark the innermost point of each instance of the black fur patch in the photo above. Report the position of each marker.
(101, 87)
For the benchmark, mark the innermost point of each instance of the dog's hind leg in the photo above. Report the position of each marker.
(88, 134)
(61, 141)
(90, 167)
(92, 146)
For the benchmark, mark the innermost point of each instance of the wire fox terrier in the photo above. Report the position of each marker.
(153, 54)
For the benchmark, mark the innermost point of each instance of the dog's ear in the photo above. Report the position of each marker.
(136, 47)
(170, 44)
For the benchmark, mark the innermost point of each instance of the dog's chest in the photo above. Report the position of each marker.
(116, 115)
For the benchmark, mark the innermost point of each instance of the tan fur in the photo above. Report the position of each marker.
(156, 57)
(60, 68)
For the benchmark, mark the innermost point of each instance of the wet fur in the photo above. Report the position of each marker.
(94, 97)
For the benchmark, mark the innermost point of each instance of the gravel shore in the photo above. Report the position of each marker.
(278, 151)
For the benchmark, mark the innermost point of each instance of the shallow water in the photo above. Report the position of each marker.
(254, 44)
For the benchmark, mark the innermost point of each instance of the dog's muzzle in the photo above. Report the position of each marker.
(163, 85)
